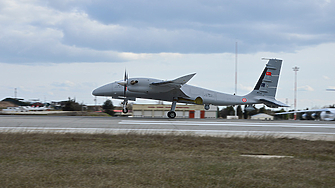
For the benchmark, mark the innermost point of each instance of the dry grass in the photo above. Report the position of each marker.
(132, 160)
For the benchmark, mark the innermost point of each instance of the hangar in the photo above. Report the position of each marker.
(262, 116)
(182, 111)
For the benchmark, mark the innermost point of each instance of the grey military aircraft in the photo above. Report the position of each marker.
(178, 91)
(325, 114)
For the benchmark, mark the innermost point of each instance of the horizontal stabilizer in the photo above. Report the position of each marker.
(176, 83)
(273, 103)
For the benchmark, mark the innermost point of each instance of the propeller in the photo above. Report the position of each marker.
(124, 83)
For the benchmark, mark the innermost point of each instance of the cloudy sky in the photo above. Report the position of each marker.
(55, 49)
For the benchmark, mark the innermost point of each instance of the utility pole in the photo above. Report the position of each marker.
(235, 76)
(95, 101)
(295, 69)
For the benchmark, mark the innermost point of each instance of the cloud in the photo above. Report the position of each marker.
(305, 88)
(258, 25)
(102, 31)
(245, 88)
(326, 77)
(65, 84)
(33, 34)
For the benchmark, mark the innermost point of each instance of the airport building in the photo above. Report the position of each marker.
(182, 111)
(262, 116)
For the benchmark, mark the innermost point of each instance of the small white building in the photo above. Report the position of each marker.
(262, 116)
(182, 111)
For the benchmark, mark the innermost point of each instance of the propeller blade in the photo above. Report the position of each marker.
(125, 83)
(125, 75)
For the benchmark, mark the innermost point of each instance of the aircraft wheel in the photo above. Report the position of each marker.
(206, 107)
(171, 114)
(125, 110)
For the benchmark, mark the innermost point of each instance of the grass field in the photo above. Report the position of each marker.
(132, 160)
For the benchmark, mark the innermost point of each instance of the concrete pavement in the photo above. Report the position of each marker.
(311, 130)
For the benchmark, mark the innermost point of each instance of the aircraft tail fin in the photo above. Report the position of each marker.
(268, 81)
(266, 86)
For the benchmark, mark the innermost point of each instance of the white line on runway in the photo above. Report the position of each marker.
(241, 124)
(102, 130)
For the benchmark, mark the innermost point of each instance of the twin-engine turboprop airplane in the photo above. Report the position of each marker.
(178, 91)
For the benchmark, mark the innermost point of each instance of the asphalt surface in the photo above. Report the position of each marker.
(311, 130)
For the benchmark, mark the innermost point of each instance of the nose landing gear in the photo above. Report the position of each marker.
(124, 108)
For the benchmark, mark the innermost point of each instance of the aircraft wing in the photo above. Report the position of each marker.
(303, 111)
(176, 83)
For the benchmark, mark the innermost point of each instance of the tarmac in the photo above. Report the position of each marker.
(301, 129)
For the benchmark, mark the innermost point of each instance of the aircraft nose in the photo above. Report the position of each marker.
(96, 92)
(105, 90)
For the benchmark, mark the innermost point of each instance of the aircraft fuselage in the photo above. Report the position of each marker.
(186, 94)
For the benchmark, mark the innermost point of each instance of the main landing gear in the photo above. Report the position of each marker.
(172, 114)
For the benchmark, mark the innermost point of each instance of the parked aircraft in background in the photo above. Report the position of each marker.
(178, 91)
(325, 114)
(25, 109)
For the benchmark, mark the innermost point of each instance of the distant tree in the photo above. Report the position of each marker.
(282, 116)
(72, 105)
(247, 114)
(108, 107)
(228, 111)
(262, 110)
(239, 112)
(291, 116)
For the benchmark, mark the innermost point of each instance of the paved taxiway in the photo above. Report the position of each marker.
(215, 127)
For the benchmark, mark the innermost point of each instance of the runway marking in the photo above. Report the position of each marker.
(102, 130)
(240, 124)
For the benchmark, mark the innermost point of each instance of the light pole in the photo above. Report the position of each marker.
(295, 69)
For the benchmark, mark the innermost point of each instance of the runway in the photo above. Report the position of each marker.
(311, 130)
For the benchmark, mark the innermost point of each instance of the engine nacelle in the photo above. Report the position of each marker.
(314, 115)
(304, 116)
(249, 108)
(138, 85)
(327, 116)
(138, 88)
